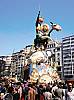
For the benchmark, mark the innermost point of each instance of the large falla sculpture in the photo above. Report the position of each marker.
(40, 68)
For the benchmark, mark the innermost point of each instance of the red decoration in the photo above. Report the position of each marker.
(40, 20)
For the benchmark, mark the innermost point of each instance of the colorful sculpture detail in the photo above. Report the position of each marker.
(40, 68)
(43, 31)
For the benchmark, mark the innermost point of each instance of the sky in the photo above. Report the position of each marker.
(17, 21)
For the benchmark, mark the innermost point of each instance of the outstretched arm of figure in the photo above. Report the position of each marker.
(51, 29)
(50, 32)
(37, 19)
(54, 27)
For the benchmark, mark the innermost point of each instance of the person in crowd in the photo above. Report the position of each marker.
(49, 86)
(16, 95)
(69, 95)
(1, 96)
(54, 88)
(2, 89)
(41, 92)
(59, 91)
(48, 94)
(25, 91)
(20, 91)
(37, 92)
(9, 94)
(31, 92)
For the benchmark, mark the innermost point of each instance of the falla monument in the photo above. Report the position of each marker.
(40, 68)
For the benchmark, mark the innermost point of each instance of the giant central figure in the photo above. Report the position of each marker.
(43, 32)
(40, 68)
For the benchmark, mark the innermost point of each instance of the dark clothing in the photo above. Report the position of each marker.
(2, 90)
(25, 93)
(16, 96)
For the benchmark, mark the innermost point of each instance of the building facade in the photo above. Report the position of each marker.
(15, 65)
(18, 68)
(56, 59)
(5, 65)
(68, 57)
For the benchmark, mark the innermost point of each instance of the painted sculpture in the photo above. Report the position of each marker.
(43, 32)
(40, 68)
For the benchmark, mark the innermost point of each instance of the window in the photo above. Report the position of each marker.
(58, 62)
(66, 43)
(59, 69)
(58, 54)
(53, 50)
(66, 39)
(72, 41)
(58, 49)
(72, 45)
(72, 38)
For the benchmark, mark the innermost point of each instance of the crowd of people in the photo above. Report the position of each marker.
(35, 91)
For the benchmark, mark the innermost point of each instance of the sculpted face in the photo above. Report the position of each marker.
(45, 27)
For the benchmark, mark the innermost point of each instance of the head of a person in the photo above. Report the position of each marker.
(70, 86)
(60, 85)
(10, 89)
